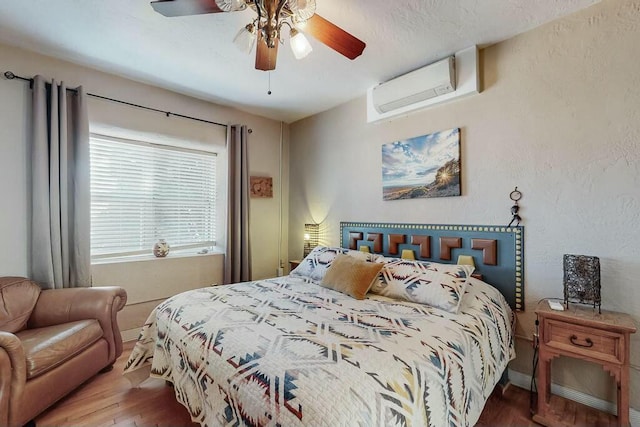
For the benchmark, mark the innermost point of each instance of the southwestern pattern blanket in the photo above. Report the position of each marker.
(282, 352)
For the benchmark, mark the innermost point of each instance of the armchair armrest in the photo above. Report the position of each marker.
(57, 306)
(13, 374)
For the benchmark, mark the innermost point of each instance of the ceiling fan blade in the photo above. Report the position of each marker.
(334, 37)
(266, 56)
(185, 7)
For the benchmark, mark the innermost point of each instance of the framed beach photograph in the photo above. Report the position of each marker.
(422, 167)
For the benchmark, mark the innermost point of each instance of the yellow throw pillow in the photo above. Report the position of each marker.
(351, 276)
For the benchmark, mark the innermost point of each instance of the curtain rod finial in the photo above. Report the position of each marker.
(9, 75)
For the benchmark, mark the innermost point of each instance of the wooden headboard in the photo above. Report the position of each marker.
(497, 251)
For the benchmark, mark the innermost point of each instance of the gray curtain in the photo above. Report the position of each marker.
(60, 211)
(237, 263)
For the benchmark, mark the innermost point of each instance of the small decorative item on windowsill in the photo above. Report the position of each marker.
(161, 248)
(311, 232)
(582, 280)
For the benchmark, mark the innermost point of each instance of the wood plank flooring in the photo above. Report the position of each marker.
(109, 400)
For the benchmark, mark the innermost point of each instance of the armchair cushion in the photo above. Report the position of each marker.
(48, 347)
(57, 306)
(18, 297)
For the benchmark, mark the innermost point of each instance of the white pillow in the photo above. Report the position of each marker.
(431, 283)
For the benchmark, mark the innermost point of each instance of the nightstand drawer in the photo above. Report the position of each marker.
(595, 343)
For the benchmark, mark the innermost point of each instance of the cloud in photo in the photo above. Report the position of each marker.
(415, 161)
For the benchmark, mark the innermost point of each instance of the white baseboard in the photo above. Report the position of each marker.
(524, 381)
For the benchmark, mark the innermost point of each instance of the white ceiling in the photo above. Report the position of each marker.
(195, 55)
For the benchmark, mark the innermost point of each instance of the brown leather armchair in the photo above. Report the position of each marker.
(51, 341)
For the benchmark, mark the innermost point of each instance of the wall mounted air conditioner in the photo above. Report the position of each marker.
(441, 81)
(425, 83)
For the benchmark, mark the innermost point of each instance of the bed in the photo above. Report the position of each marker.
(286, 351)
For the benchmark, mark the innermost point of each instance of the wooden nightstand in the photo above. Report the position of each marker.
(293, 263)
(582, 333)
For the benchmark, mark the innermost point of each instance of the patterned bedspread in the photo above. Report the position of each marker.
(282, 352)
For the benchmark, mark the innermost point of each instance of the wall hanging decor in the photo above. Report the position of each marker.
(515, 195)
(261, 187)
(422, 167)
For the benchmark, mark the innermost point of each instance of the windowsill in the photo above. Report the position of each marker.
(151, 257)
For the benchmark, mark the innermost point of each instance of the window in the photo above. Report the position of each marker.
(143, 192)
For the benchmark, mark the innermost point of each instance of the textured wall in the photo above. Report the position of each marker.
(148, 282)
(559, 117)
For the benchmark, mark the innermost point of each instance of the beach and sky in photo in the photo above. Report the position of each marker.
(415, 161)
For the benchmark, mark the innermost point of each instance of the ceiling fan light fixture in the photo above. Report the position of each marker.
(302, 9)
(299, 44)
(246, 38)
(231, 5)
(264, 31)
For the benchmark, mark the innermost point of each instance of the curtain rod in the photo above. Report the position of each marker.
(10, 76)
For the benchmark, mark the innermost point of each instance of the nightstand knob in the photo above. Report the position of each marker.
(574, 341)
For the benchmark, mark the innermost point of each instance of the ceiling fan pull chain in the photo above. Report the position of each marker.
(269, 91)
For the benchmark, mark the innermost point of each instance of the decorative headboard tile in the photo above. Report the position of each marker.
(497, 251)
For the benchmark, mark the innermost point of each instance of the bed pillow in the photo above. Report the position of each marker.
(351, 276)
(316, 264)
(431, 283)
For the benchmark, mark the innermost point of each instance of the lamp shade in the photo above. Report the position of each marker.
(582, 280)
(246, 38)
(299, 44)
(311, 237)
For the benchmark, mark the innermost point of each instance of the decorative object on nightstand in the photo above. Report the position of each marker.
(161, 248)
(582, 280)
(581, 333)
(311, 236)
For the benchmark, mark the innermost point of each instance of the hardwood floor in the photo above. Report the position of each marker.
(109, 400)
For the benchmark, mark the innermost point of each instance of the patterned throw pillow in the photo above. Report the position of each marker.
(316, 264)
(431, 283)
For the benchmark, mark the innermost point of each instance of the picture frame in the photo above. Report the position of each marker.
(261, 187)
(422, 167)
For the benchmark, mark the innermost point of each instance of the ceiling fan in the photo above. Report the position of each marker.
(266, 28)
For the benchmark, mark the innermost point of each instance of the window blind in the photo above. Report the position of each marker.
(143, 192)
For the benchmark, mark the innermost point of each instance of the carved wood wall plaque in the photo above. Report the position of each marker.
(261, 187)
